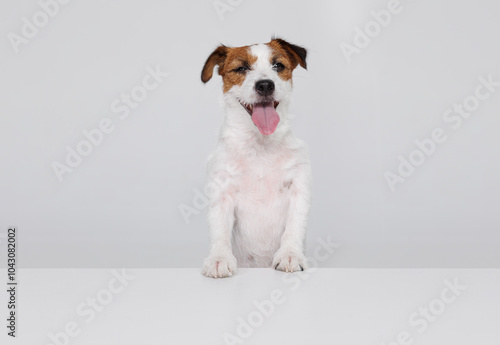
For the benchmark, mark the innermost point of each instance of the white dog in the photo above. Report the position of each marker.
(258, 216)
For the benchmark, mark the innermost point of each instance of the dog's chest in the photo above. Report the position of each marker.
(263, 179)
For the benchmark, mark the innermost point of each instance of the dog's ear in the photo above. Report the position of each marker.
(296, 53)
(217, 58)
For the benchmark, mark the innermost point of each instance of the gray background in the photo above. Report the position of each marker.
(120, 207)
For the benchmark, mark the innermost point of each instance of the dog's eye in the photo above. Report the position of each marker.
(241, 69)
(278, 67)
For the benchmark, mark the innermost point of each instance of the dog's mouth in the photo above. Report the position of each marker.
(264, 115)
(249, 107)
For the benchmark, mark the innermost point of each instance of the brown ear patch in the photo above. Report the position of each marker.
(217, 58)
(296, 54)
(229, 61)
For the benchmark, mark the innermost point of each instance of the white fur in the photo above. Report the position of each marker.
(257, 217)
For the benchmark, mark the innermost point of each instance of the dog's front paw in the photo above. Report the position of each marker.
(219, 266)
(289, 261)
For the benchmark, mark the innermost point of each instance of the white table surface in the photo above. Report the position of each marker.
(325, 306)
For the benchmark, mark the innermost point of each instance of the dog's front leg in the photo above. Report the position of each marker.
(221, 262)
(290, 256)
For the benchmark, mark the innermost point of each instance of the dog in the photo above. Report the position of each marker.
(258, 216)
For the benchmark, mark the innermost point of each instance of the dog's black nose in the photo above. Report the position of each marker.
(264, 87)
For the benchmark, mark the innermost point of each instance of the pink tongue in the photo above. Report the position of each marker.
(265, 118)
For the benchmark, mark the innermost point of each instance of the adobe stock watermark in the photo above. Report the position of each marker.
(223, 6)
(122, 106)
(421, 319)
(265, 308)
(30, 27)
(201, 199)
(88, 310)
(364, 35)
(454, 116)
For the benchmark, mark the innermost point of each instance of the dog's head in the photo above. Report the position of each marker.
(258, 77)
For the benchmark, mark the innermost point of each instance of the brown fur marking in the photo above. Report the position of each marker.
(236, 57)
(229, 60)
